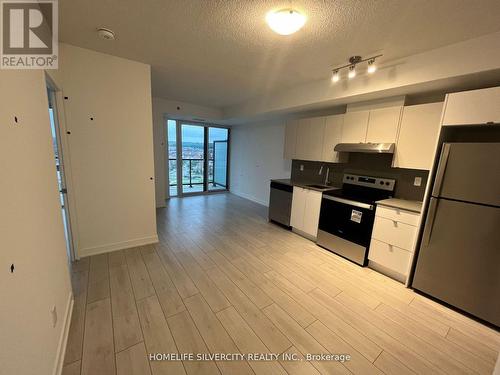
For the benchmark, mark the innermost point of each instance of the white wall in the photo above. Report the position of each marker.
(161, 109)
(433, 70)
(256, 157)
(31, 231)
(112, 155)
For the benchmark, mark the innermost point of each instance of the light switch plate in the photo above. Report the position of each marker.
(301, 167)
(417, 181)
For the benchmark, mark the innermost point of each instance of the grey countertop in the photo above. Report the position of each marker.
(303, 184)
(404, 204)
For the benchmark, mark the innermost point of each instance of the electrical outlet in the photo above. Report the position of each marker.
(302, 167)
(53, 312)
(417, 181)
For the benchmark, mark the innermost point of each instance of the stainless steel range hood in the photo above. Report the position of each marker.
(371, 148)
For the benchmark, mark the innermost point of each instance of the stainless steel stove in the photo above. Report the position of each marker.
(347, 215)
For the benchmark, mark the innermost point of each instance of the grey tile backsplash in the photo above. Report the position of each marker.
(378, 165)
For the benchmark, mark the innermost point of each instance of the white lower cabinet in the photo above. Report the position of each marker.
(393, 241)
(299, 198)
(390, 256)
(394, 232)
(306, 205)
(311, 212)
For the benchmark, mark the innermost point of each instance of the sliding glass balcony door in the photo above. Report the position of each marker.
(172, 158)
(193, 158)
(197, 158)
(217, 158)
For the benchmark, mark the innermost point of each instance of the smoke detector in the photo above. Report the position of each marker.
(106, 34)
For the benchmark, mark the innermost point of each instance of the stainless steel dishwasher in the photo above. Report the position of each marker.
(280, 203)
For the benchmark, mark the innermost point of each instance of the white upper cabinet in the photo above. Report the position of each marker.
(383, 125)
(376, 125)
(472, 107)
(355, 126)
(290, 139)
(310, 136)
(333, 135)
(418, 135)
(302, 145)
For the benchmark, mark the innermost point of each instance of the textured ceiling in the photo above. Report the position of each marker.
(221, 52)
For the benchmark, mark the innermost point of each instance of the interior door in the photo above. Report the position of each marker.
(458, 259)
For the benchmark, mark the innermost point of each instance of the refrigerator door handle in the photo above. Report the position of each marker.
(443, 161)
(431, 215)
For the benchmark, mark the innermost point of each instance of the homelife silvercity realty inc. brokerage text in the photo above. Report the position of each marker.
(248, 357)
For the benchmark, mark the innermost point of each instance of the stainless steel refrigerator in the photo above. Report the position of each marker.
(459, 258)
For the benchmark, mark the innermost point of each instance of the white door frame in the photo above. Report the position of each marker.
(57, 100)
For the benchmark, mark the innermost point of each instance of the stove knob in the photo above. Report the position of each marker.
(387, 183)
(381, 182)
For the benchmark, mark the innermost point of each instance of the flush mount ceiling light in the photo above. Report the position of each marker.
(285, 21)
(353, 62)
(106, 34)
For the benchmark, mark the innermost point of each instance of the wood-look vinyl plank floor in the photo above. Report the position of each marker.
(223, 279)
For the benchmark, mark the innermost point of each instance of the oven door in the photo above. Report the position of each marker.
(345, 227)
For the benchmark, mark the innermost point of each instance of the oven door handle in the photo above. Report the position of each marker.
(349, 202)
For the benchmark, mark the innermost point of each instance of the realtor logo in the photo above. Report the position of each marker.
(29, 34)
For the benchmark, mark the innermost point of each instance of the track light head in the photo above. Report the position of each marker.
(352, 71)
(371, 66)
(335, 76)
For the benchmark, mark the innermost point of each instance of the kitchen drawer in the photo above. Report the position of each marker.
(389, 256)
(394, 232)
(397, 214)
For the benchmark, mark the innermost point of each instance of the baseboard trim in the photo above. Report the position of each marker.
(117, 246)
(161, 204)
(63, 339)
(249, 197)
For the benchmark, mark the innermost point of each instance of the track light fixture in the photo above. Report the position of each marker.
(353, 61)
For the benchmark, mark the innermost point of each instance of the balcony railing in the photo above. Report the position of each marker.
(195, 174)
